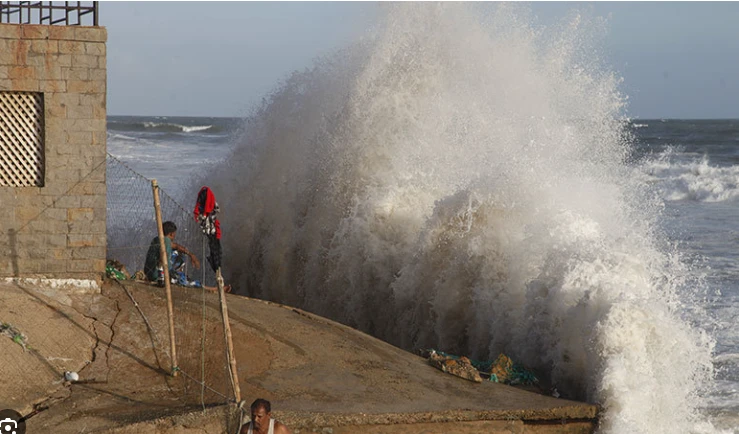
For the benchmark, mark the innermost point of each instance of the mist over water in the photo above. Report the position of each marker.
(458, 181)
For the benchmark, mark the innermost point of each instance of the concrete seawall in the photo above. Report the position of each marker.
(322, 377)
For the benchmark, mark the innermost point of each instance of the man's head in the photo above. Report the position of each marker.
(261, 412)
(169, 228)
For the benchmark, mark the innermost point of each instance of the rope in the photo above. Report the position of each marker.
(126, 166)
(202, 383)
(152, 333)
(58, 198)
(135, 303)
(241, 415)
(139, 247)
(162, 193)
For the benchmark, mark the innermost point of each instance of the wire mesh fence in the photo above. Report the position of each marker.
(131, 223)
(204, 376)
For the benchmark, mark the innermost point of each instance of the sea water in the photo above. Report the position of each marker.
(473, 184)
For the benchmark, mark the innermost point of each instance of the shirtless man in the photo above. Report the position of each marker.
(261, 420)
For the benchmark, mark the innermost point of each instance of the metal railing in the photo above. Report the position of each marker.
(48, 13)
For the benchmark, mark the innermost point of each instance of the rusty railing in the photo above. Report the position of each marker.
(48, 13)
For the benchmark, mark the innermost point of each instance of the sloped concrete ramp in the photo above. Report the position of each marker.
(321, 376)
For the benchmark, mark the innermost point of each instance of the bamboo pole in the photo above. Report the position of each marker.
(229, 337)
(164, 261)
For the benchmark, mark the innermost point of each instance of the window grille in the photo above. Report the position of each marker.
(21, 139)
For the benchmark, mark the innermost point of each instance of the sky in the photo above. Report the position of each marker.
(677, 59)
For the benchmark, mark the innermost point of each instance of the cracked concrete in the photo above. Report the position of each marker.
(59, 340)
(123, 380)
(320, 376)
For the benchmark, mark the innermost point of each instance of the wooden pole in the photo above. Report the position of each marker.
(164, 261)
(229, 338)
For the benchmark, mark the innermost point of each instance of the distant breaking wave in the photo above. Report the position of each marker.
(695, 180)
(163, 127)
(121, 137)
(459, 180)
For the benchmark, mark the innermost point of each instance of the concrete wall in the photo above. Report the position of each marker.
(57, 231)
(225, 419)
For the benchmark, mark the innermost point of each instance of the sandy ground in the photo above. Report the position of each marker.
(320, 376)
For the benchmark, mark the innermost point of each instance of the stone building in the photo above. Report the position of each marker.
(53, 153)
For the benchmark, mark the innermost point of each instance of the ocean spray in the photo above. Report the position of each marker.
(458, 180)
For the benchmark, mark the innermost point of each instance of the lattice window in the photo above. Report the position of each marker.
(21, 139)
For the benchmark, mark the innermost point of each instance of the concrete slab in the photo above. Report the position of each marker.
(321, 376)
(59, 339)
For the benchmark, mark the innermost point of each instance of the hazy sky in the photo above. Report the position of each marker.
(678, 59)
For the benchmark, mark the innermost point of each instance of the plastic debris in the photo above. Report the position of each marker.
(14, 334)
(502, 370)
(115, 270)
(461, 367)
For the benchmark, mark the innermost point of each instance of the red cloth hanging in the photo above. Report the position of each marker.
(205, 212)
(206, 208)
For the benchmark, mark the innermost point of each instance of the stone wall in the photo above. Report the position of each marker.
(57, 231)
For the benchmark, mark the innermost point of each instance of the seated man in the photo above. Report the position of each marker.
(153, 261)
(175, 253)
(261, 420)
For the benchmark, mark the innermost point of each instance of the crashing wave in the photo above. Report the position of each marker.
(459, 181)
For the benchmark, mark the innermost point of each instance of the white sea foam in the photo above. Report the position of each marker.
(458, 182)
(115, 136)
(696, 180)
(196, 128)
(164, 126)
(728, 358)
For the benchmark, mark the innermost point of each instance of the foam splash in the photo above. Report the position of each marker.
(156, 127)
(168, 127)
(196, 128)
(459, 182)
(695, 180)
